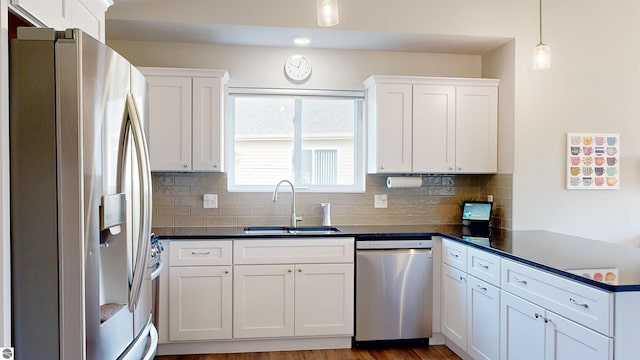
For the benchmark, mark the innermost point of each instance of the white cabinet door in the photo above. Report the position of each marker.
(89, 15)
(476, 129)
(567, 340)
(169, 123)
(483, 315)
(522, 329)
(51, 13)
(207, 123)
(324, 299)
(454, 305)
(263, 298)
(200, 304)
(434, 128)
(393, 129)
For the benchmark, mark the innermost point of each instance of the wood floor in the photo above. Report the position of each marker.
(433, 352)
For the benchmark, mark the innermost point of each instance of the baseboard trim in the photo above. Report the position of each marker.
(254, 345)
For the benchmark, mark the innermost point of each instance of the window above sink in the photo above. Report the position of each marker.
(312, 137)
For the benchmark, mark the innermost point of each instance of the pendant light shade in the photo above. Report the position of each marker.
(542, 52)
(541, 57)
(327, 12)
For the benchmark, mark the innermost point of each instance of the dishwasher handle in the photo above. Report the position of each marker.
(394, 244)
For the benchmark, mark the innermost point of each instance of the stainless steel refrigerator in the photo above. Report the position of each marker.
(81, 257)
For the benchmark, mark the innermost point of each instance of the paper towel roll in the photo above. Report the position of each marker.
(404, 181)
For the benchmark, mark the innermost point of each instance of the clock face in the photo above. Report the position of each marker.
(297, 68)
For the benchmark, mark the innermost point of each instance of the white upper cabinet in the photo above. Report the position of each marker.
(186, 112)
(87, 15)
(390, 124)
(476, 129)
(51, 13)
(431, 125)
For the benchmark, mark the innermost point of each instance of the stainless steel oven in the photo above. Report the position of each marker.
(394, 297)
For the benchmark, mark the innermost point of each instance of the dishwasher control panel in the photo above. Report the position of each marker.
(394, 244)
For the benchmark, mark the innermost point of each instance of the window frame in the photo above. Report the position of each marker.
(359, 139)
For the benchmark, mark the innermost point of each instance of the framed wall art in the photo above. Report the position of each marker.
(593, 161)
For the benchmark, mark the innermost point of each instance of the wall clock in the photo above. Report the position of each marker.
(297, 68)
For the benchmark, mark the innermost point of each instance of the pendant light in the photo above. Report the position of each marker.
(542, 52)
(327, 12)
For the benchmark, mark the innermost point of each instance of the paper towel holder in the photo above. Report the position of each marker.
(404, 181)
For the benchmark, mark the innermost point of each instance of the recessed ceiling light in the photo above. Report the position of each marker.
(302, 41)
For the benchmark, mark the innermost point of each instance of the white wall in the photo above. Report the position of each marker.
(593, 86)
(250, 66)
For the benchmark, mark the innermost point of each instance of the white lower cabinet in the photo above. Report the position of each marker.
(263, 301)
(324, 295)
(200, 302)
(471, 313)
(200, 290)
(483, 314)
(293, 300)
(530, 332)
(454, 305)
(276, 294)
(521, 329)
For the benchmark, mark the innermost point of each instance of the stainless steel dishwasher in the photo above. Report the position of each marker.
(394, 297)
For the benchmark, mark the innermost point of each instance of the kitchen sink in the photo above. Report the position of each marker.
(285, 230)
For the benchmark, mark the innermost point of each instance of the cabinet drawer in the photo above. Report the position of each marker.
(583, 304)
(483, 265)
(454, 254)
(293, 250)
(201, 252)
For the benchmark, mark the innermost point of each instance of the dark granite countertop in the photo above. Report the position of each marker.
(558, 253)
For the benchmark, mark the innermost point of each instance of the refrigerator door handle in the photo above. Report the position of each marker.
(144, 236)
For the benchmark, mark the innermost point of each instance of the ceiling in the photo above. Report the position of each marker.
(326, 38)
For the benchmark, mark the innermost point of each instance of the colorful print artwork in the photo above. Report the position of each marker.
(593, 161)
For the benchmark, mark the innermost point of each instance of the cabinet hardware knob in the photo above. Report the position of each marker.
(537, 315)
(289, 270)
(215, 166)
(299, 270)
(518, 280)
(185, 165)
(200, 253)
(226, 271)
(584, 305)
(459, 168)
(547, 320)
(381, 167)
(454, 255)
(461, 278)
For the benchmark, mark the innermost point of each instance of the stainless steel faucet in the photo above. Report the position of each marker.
(294, 218)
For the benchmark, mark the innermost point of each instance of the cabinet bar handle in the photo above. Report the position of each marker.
(200, 253)
(484, 266)
(584, 305)
(481, 288)
(518, 280)
(455, 255)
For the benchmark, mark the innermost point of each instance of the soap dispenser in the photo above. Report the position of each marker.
(326, 214)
